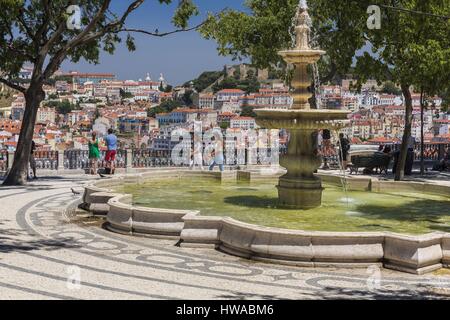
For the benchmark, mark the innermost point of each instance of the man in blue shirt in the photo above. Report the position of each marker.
(111, 145)
(218, 156)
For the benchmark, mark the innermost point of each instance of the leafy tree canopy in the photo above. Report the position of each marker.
(340, 28)
(205, 80)
(187, 98)
(164, 107)
(390, 88)
(250, 84)
(408, 41)
(36, 32)
(62, 107)
(247, 111)
(41, 33)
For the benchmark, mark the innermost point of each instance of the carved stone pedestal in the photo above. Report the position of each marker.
(299, 188)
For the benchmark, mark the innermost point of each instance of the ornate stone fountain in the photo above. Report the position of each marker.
(299, 188)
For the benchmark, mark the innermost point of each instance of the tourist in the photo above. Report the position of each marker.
(444, 164)
(196, 157)
(111, 145)
(32, 159)
(217, 156)
(94, 153)
(326, 147)
(344, 149)
(410, 156)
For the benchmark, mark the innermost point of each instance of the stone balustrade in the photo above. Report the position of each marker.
(145, 158)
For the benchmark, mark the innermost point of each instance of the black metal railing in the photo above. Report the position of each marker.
(46, 159)
(3, 160)
(432, 151)
(146, 158)
(79, 159)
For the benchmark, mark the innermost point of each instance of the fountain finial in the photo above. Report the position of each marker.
(299, 187)
(303, 5)
(303, 27)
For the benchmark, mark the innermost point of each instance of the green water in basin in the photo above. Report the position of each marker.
(256, 203)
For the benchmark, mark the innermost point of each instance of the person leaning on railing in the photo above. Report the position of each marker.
(344, 145)
(110, 158)
(444, 163)
(94, 154)
(33, 160)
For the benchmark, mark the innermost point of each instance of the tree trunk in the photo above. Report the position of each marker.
(400, 170)
(19, 170)
(422, 143)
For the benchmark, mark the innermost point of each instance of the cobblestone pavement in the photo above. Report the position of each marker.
(45, 249)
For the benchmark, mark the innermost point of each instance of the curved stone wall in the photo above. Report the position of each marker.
(413, 254)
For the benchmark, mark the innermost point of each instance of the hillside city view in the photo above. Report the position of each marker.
(145, 111)
(263, 152)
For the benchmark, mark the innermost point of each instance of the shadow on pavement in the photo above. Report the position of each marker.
(40, 244)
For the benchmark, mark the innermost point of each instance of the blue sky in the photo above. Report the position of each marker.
(180, 57)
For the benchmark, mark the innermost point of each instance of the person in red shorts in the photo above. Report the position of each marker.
(111, 145)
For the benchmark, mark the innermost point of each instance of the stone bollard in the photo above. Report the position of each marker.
(10, 159)
(129, 160)
(60, 160)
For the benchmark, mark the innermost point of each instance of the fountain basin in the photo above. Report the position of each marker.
(415, 253)
(296, 119)
(303, 56)
(256, 203)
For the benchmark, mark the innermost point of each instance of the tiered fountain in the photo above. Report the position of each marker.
(299, 188)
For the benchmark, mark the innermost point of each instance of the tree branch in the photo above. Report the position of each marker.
(61, 54)
(24, 24)
(23, 53)
(331, 74)
(154, 34)
(43, 28)
(13, 85)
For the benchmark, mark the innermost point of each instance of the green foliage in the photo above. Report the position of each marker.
(257, 35)
(168, 88)
(445, 94)
(250, 84)
(6, 98)
(187, 98)
(52, 96)
(125, 94)
(340, 28)
(432, 71)
(62, 107)
(185, 10)
(68, 79)
(237, 74)
(164, 107)
(224, 125)
(390, 88)
(97, 114)
(227, 83)
(247, 111)
(205, 80)
(411, 49)
(36, 32)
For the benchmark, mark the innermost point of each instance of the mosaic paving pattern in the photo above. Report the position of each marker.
(49, 251)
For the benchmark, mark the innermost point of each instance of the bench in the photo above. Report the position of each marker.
(378, 161)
